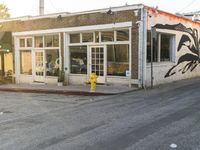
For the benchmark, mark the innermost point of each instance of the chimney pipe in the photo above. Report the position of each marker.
(41, 7)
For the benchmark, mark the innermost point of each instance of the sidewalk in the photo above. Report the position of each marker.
(66, 90)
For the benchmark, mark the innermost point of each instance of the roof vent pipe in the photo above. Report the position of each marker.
(41, 7)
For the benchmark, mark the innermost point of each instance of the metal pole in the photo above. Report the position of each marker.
(153, 37)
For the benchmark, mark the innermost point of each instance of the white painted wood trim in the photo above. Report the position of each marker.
(130, 56)
(159, 46)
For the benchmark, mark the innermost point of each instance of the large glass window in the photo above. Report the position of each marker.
(163, 47)
(117, 60)
(107, 36)
(87, 37)
(38, 41)
(123, 35)
(75, 38)
(78, 59)
(52, 62)
(25, 62)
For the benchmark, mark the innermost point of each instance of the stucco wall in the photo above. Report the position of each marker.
(185, 55)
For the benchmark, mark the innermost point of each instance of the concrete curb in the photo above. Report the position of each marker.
(63, 92)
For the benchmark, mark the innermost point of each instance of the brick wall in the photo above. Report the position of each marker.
(81, 20)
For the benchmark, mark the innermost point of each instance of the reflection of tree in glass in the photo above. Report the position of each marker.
(50, 65)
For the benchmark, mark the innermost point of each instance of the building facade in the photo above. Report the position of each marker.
(114, 43)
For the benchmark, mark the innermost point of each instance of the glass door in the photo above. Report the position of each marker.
(98, 63)
(39, 66)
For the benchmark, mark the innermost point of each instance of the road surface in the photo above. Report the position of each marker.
(168, 115)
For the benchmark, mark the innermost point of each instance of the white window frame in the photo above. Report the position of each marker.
(32, 49)
(25, 40)
(67, 31)
(172, 47)
(94, 43)
(173, 52)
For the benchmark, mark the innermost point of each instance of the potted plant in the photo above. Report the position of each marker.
(61, 77)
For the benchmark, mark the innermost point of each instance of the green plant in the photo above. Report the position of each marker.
(61, 76)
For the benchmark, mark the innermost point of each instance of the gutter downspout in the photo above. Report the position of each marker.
(142, 46)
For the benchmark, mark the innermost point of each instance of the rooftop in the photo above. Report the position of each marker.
(65, 14)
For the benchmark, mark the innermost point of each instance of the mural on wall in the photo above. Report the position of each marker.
(190, 38)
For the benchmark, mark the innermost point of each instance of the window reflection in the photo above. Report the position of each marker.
(25, 62)
(78, 59)
(118, 60)
(38, 41)
(48, 41)
(107, 36)
(123, 35)
(55, 40)
(22, 42)
(165, 47)
(51, 41)
(29, 42)
(75, 38)
(96, 37)
(87, 37)
(52, 62)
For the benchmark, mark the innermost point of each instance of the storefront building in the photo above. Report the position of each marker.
(84, 43)
(100, 50)
(114, 43)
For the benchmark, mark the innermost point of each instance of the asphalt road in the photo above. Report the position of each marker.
(156, 119)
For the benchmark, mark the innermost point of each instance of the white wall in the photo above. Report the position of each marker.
(160, 69)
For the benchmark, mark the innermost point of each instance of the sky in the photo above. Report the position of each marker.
(18, 8)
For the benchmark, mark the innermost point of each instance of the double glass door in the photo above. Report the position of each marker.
(98, 63)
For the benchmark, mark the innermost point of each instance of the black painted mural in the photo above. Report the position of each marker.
(192, 42)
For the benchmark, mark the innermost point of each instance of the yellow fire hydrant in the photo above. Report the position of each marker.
(93, 81)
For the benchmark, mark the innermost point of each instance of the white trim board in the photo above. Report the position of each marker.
(75, 29)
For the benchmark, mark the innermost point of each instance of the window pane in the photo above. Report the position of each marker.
(148, 46)
(107, 36)
(78, 59)
(51, 41)
(48, 41)
(29, 42)
(55, 40)
(122, 35)
(26, 62)
(22, 42)
(38, 41)
(155, 48)
(75, 38)
(87, 37)
(118, 60)
(165, 46)
(96, 37)
(52, 62)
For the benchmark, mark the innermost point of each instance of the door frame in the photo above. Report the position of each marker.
(100, 79)
(36, 77)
